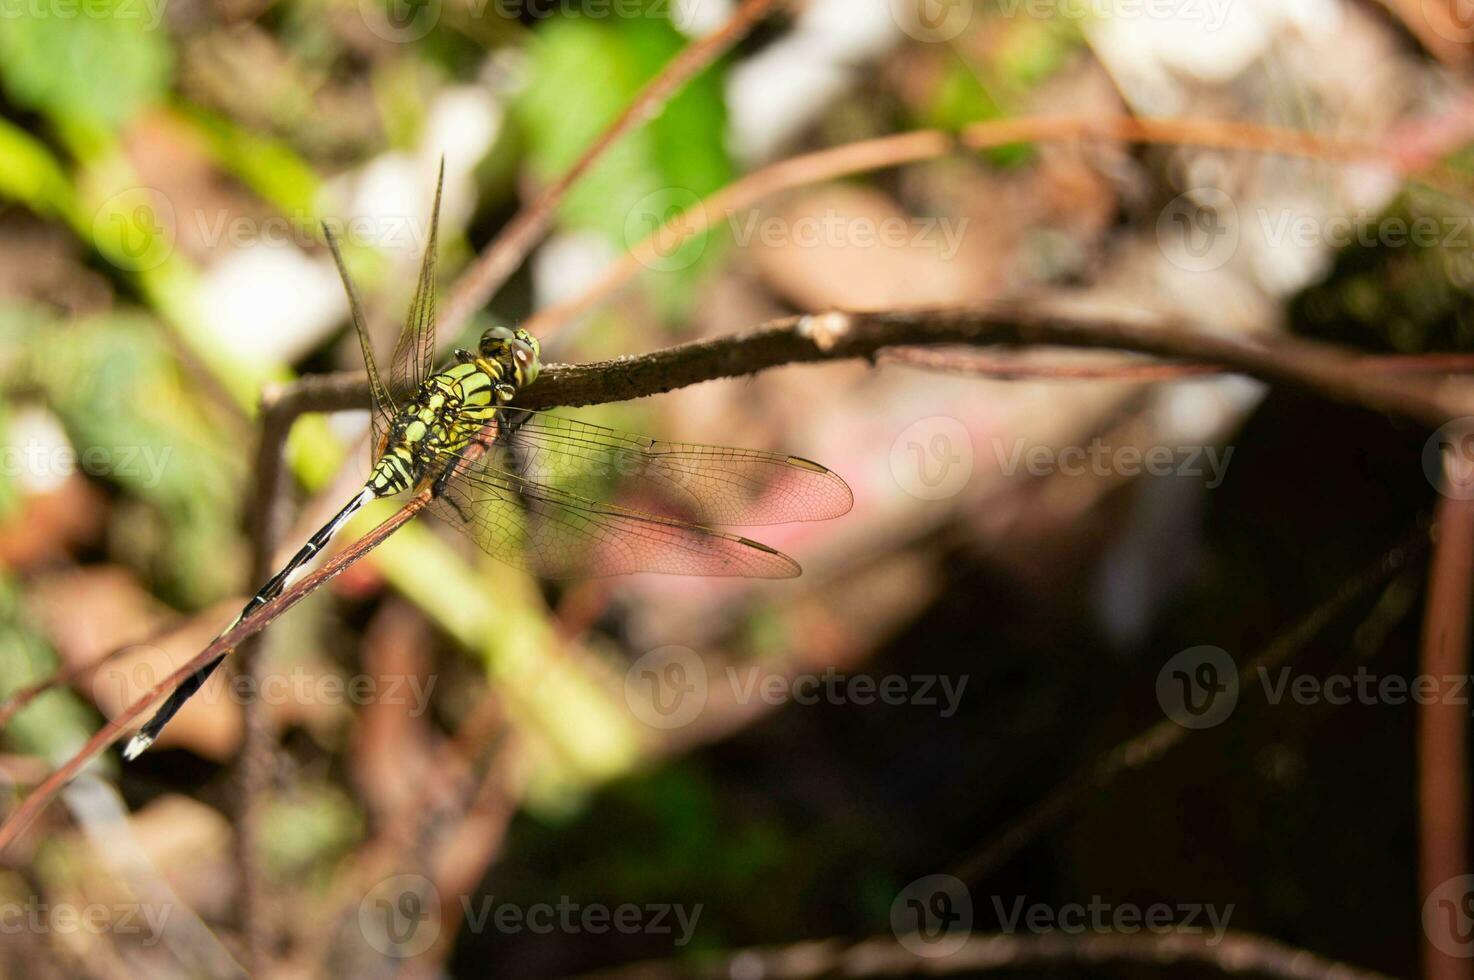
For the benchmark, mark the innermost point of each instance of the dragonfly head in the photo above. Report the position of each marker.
(517, 353)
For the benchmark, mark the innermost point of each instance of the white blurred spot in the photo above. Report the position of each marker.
(776, 93)
(270, 302)
(392, 187)
(697, 18)
(568, 264)
(43, 457)
(349, 426)
(1203, 411)
(1147, 46)
(463, 123)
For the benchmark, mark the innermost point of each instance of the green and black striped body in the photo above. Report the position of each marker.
(426, 433)
(446, 413)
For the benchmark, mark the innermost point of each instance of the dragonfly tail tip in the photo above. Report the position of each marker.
(137, 745)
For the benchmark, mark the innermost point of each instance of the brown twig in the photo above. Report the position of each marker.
(32, 806)
(1443, 761)
(1338, 373)
(1235, 953)
(1007, 367)
(1156, 741)
(339, 392)
(905, 148)
(345, 390)
(502, 257)
(1012, 368)
(474, 288)
(65, 674)
(1318, 368)
(255, 765)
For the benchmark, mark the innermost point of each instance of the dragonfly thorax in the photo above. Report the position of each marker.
(451, 408)
(439, 421)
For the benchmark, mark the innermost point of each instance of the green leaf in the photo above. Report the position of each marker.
(30, 174)
(584, 72)
(57, 722)
(98, 60)
(270, 167)
(135, 420)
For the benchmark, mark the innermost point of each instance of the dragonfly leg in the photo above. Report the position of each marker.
(438, 489)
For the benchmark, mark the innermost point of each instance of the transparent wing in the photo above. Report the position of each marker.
(557, 535)
(539, 498)
(414, 354)
(383, 403)
(681, 480)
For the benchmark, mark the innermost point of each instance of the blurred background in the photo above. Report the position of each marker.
(462, 771)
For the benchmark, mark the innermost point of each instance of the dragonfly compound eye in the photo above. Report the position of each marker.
(524, 355)
(495, 340)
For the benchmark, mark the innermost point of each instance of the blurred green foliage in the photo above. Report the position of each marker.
(57, 722)
(310, 827)
(119, 390)
(1401, 281)
(583, 74)
(100, 66)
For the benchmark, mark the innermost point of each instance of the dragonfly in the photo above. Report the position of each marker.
(537, 490)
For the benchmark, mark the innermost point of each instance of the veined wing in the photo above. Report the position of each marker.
(384, 407)
(557, 534)
(414, 354)
(683, 481)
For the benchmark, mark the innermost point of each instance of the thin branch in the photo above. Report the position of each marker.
(915, 147)
(1155, 742)
(1234, 953)
(338, 392)
(1317, 368)
(346, 390)
(1443, 759)
(1012, 368)
(502, 257)
(254, 767)
(1339, 373)
(66, 674)
(16, 822)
